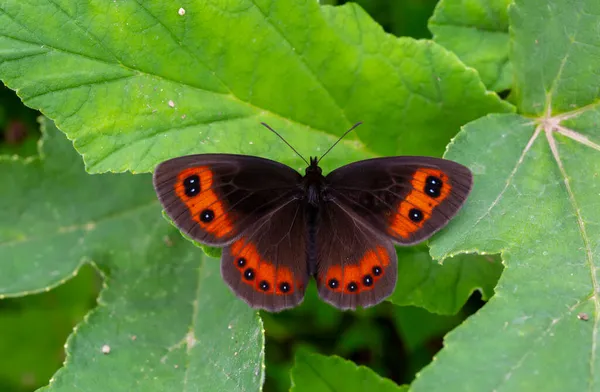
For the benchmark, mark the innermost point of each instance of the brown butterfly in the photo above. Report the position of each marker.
(278, 227)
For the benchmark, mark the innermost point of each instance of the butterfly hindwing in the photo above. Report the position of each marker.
(355, 265)
(405, 198)
(266, 266)
(213, 198)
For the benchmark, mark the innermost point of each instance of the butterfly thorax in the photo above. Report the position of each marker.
(313, 182)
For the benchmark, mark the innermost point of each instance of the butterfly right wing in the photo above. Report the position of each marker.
(267, 265)
(356, 266)
(407, 199)
(370, 203)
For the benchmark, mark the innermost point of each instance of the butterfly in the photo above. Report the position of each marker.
(278, 228)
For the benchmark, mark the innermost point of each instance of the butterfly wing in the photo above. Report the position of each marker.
(267, 265)
(405, 198)
(368, 204)
(356, 266)
(213, 198)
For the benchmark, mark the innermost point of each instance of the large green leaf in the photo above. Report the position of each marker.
(134, 83)
(165, 315)
(318, 373)
(477, 31)
(535, 201)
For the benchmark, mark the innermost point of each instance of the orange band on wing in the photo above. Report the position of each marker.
(205, 204)
(259, 273)
(412, 213)
(356, 278)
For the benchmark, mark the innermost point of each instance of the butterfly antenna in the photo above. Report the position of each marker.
(341, 137)
(285, 141)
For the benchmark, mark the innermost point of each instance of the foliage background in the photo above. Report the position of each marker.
(162, 308)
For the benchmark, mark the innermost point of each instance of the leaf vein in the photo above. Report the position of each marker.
(87, 226)
(508, 180)
(588, 249)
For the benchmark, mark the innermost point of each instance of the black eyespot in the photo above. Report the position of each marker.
(241, 262)
(433, 181)
(249, 274)
(415, 215)
(352, 287)
(191, 185)
(433, 186)
(333, 283)
(264, 285)
(284, 287)
(377, 270)
(368, 280)
(207, 215)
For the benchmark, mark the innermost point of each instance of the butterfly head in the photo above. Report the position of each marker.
(313, 168)
(313, 182)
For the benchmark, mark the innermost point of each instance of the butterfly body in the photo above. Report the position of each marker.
(279, 228)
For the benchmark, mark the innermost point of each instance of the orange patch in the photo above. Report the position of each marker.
(221, 224)
(264, 271)
(355, 273)
(400, 223)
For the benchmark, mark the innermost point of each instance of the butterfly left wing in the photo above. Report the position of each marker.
(213, 198)
(267, 265)
(355, 266)
(406, 198)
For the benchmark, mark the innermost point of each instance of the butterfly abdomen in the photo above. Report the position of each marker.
(312, 216)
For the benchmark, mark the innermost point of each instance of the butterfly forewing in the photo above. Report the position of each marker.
(405, 198)
(214, 197)
(266, 266)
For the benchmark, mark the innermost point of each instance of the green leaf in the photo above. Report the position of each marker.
(58, 217)
(35, 328)
(169, 324)
(442, 288)
(165, 321)
(535, 201)
(477, 31)
(136, 83)
(316, 373)
(555, 46)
